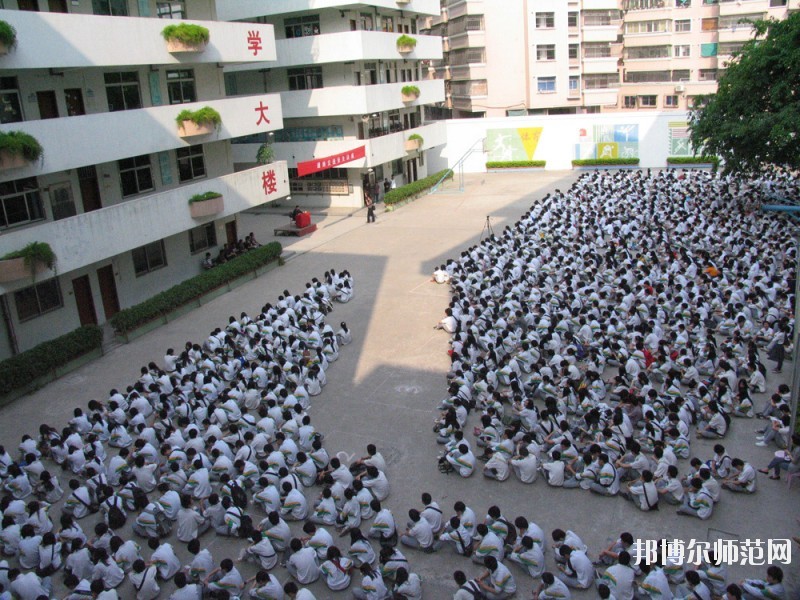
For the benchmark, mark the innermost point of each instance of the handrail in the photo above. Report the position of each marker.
(460, 166)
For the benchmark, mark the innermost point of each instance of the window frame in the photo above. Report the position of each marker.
(37, 291)
(125, 88)
(193, 159)
(304, 26)
(181, 80)
(549, 19)
(546, 80)
(209, 233)
(310, 74)
(31, 197)
(170, 12)
(110, 8)
(682, 25)
(136, 165)
(545, 52)
(146, 254)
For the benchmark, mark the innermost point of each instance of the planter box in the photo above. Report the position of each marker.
(514, 169)
(16, 269)
(176, 46)
(11, 161)
(406, 98)
(605, 167)
(411, 145)
(405, 49)
(403, 1)
(206, 208)
(191, 129)
(690, 166)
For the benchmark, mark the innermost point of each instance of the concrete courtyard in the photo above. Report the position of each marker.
(385, 386)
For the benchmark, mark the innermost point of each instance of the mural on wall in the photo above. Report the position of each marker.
(512, 144)
(608, 141)
(679, 144)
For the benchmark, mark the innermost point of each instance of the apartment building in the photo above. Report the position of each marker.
(340, 75)
(96, 85)
(522, 57)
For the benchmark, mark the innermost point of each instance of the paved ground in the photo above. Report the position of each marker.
(385, 386)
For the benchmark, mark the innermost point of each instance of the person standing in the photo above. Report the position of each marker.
(370, 209)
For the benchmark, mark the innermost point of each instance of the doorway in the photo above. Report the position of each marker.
(108, 290)
(411, 170)
(230, 233)
(74, 98)
(28, 5)
(90, 188)
(59, 6)
(48, 107)
(82, 289)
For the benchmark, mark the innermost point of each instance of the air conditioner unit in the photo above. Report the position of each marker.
(680, 88)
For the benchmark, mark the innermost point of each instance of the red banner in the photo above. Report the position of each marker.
(329, 162)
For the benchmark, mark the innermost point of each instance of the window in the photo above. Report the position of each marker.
(730, 48)
(597, 81)
(774, 3)
(648, 101)
(20, 202)
(170, 10)
(647, 76)
(642, 4)
(301, 26)
(546, 52)
(708, 74)
(61, 201)
(709, 24)
(202, 237)
(135, 175)
(648, 52)
(180, 86)
(114, 8)
(191, 164)
(738, 21)
(38, 299)
(122, 91)
(660, 26)
(546, 85)
(671, 102)
(304, 134)
(682, 51)
(708, 50)
(305, 78)
(683, 3)
(10, 106)
(573, 50)
(572, 19)
(629, 102)
(574, 84)
(149, 258)
(597, 50)
(600, 18)
(545, 20)
(387, 24)
(681, 75)
(683, 25)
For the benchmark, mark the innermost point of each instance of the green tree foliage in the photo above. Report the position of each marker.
(753, 118)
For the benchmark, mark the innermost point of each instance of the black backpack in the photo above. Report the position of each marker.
(246, 526)
(116, 518)
(140, 500)
(238, 495)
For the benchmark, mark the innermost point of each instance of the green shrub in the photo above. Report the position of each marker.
(604, 162)
(35, 253)
(186, 291)
(189, 34)
(693, 160)
(406, 40)
(515, 164)
(201, 116)
(265, 154)
(410, 90)
(22, 369)
(204, 196)
(8, 35)
(416, 137)
(22, 144)
(417, 187)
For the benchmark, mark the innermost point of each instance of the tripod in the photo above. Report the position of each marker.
(487, 228)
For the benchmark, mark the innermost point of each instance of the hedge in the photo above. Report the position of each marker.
(693, 160)
(417, 187)
(185, 292)
(26, 367)
(515, 164)
(604, 162)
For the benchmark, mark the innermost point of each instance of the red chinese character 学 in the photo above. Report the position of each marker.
(268, 182)
(262, 113)
(254, 42)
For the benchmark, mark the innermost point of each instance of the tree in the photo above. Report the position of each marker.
(753, 118)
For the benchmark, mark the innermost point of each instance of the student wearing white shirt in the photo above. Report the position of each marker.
(525, 466)
(302, 564)
(742, 477)
(336, 569)
(144, 581)
(620, 577)
(577, 570)
(555, 470)
(419, 534)
(551, 588)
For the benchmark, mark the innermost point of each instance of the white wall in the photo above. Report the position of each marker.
(231, 10)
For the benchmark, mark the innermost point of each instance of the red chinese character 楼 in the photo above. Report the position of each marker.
(254, 42)
(262, 113)
(268, 182)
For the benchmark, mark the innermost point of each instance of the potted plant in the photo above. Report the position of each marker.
(406, 44)
(30, 260)
(198, 122)
(206, 204)
(409, 93)
(186, 37)
(265, 154)
(8, 37)
(414, 142)
(17, 149)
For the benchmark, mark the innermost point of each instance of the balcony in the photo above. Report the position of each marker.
(469, 39)
(600, 33)
(238, 10)
(751, 6)
(469, 72)
(355, 100)
(600, 97)
(741, 33)
(600, 5)
(73, 142)
(600, 65)
(379, 150)
(50, 40)
(467, 7)
(87, 238)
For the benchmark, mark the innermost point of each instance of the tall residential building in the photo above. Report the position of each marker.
(521, 57)
(340, 75)
(94, 82)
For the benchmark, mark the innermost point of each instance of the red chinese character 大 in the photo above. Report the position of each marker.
(254, 42)
(262, 113)
(268, 182)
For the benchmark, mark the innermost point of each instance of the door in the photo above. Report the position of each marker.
(108, 291)
(57, 6)
(83, 298)
(230, 233)
(28, 5)
(90, 188)
(74, 99)
(48, 107)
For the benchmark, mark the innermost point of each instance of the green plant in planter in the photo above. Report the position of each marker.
(416, 137)
(187, 33)
(406, 40)
(8, 35)
(19, 143)
(35, 253)
(201, 116)
(410, 90)
(265, 154)
(204, 196)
